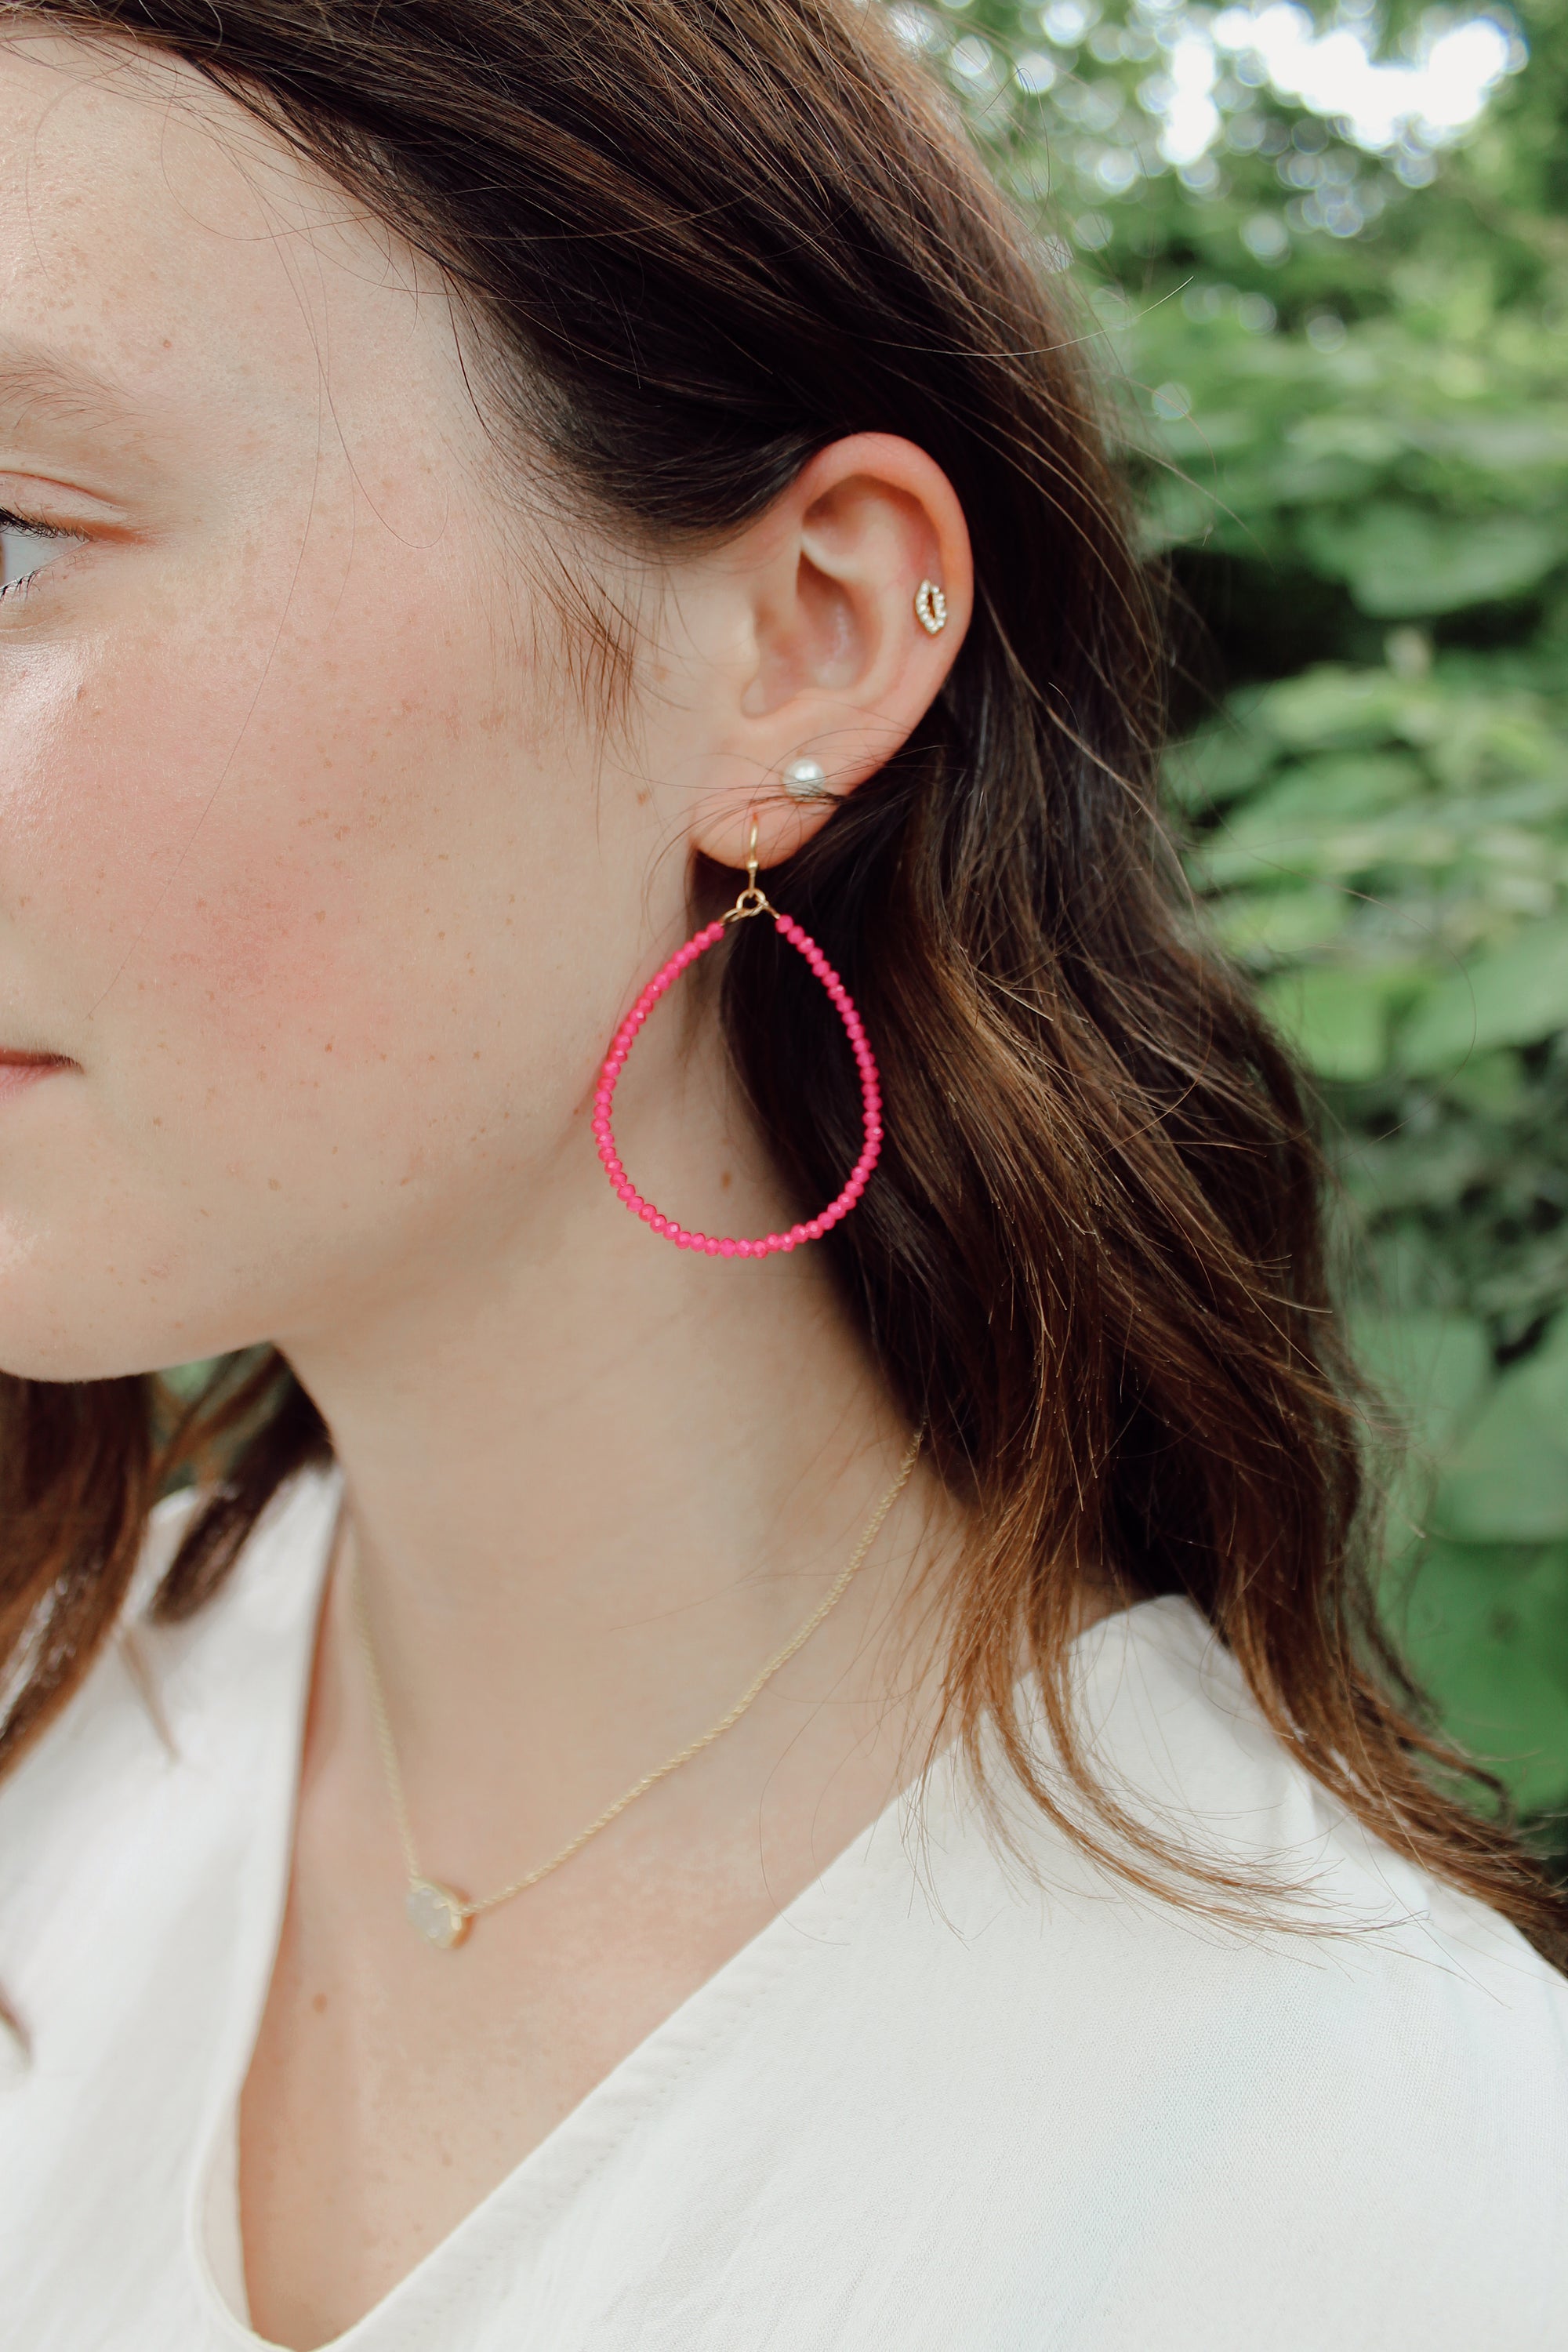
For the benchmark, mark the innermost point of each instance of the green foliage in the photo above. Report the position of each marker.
(1343, 397)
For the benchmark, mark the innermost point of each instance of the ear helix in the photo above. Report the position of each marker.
(751, 901)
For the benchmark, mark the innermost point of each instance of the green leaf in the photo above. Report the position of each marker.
(1507, 1480)
(1278, 924)
(1487, 1633)
(1526, 443)
(1400, 560)
(1490, 1086)
(1221, 761)
(1332, 706)
(1512, 996)
(1339, 786)
(1431, 1372)
(1435, 1367)
(1337, 1020)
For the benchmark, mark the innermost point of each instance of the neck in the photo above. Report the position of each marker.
(592, 1485)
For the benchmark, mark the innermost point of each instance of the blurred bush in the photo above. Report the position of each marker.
(1326, 258)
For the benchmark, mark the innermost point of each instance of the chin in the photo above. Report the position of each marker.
(54, 1328)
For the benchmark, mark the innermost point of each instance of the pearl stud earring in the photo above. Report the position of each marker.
(806, 780)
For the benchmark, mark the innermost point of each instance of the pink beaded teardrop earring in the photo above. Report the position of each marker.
(751, 901)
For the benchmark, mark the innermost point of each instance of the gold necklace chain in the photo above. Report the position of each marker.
(442, 1915)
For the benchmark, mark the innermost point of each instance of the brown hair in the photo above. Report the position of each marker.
(697, 244)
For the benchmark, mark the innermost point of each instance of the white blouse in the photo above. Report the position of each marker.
(940, 2104)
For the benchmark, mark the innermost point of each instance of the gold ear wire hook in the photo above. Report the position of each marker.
(751, 901)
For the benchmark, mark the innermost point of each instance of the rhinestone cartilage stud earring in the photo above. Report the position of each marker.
(806, 780)
(931, 608)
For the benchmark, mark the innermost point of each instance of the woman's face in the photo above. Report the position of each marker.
(312, 871)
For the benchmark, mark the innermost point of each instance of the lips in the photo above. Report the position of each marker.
(19, 1069)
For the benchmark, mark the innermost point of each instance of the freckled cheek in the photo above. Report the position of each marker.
(145, 896)
(198, 825)
(271, 882)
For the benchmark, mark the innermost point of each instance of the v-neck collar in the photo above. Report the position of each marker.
(295, 1548)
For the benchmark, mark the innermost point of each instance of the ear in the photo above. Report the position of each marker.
(826, 655)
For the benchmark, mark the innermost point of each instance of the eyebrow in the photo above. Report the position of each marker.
(38, 384)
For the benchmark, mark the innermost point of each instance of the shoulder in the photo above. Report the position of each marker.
(1338, 1930)
(1172, 1733)
(159, 1697)
(1369, 2113)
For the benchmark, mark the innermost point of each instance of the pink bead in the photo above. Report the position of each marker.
(728, 1249)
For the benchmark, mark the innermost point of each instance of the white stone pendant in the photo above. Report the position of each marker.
(437, 1913)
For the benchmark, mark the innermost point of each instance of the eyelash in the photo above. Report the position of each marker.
(33, 529)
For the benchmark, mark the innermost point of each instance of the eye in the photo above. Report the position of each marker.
(26, 547)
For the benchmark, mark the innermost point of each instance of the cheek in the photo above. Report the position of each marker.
(284, 899)
(138, 800)
(320, 913)
(214, 845)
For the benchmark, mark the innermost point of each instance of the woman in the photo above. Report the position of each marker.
(635, 1792)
